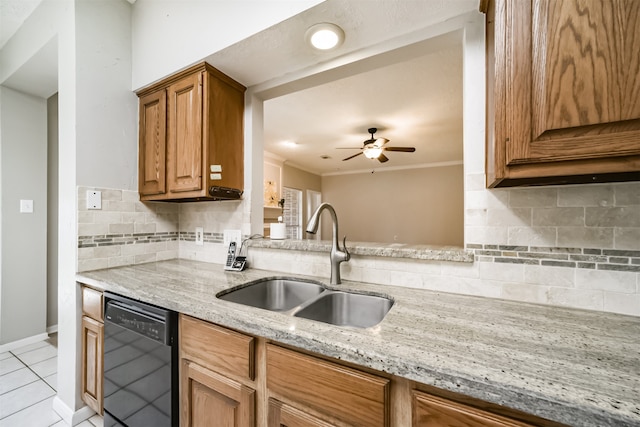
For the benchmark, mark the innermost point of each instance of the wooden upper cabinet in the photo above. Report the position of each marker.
(152, 143)
(563, 92)
(191, 137)
(184, 142)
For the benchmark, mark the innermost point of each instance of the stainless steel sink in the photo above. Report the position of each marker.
(347, 309)
(274, 294)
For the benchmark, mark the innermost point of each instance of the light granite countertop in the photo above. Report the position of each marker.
(577, 367)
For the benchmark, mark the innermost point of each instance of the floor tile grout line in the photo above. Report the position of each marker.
(29, 366)
(38, 375)
(25, 365)
(26, 407)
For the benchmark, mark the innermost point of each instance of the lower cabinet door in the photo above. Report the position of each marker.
(213, 400)
(283, 415)
(92, 358)
(432, 411)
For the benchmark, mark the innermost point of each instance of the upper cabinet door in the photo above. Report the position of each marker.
(564, 82)
(152, 143)
(184, 143)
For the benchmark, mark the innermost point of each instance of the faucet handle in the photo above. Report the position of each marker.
(346, 251)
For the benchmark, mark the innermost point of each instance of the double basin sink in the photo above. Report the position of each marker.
(311, 300)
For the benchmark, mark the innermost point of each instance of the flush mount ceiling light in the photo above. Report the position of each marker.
(324, 36)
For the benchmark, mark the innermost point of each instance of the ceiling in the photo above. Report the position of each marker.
(400, 79)
(410, 88)
(12, 14)
(415, 102)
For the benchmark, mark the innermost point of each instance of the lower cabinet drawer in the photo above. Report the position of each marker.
(352, 396)
(217, 348)
(92, 303)
(433, 411)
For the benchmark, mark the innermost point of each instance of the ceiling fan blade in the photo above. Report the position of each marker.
(351, 157)
(382, 158)
(402, 149)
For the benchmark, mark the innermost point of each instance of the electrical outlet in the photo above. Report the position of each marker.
(232, 236)
(199, 236)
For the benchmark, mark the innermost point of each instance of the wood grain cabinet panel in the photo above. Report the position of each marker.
(92, 303)
(152, 137)
(563, 96)
(191, 135)
(282, 415)
(349, 395)
(212, 400)
(92, 363)
(217, 348)
(184, 143)
(432, 411)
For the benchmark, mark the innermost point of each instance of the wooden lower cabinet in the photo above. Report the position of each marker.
(341, 393)
(92, 358)
(92, 330)
(283, 415)
(432, 411)
(209, 399)
(229, 378)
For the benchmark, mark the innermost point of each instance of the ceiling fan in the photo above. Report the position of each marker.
(373, 148)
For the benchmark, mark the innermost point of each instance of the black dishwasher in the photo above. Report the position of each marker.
(140, 364)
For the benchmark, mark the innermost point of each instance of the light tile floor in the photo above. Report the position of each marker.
(28, 380)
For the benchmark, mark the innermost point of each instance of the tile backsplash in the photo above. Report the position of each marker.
(125, 231)
(574, 246)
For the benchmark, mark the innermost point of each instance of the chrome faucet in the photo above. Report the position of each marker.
(337, 255)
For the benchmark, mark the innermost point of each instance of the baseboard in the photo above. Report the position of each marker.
(69, 416)
(21, 343)
(52, 329)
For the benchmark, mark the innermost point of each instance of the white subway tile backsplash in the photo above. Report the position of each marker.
(626, 216)
(523, 292)
(549, 276)
(627, 194)
(577, 298)
(475, 217)
(558, 217)
(626, 238)
(530, 244)
(585, 237)
(533, 197)
(502, 272)
(489, 235)
(535, 236)
(124, 231)
(509, 217)
(586, 195)
(118, 206)
(622, 303)
(613, 281)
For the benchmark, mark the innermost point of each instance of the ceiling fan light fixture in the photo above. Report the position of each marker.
(324, 36)
(372, 152)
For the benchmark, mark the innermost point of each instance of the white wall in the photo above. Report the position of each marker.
(168, 36)
(422, 206)
(52, 212)
(23, 155)
(106, 109)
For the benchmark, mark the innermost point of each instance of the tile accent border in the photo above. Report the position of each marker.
(589, 258)
(207, 237)
(125, 239)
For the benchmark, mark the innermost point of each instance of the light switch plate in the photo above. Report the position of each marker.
(94, 199)
(199, 236)
(26, 206)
